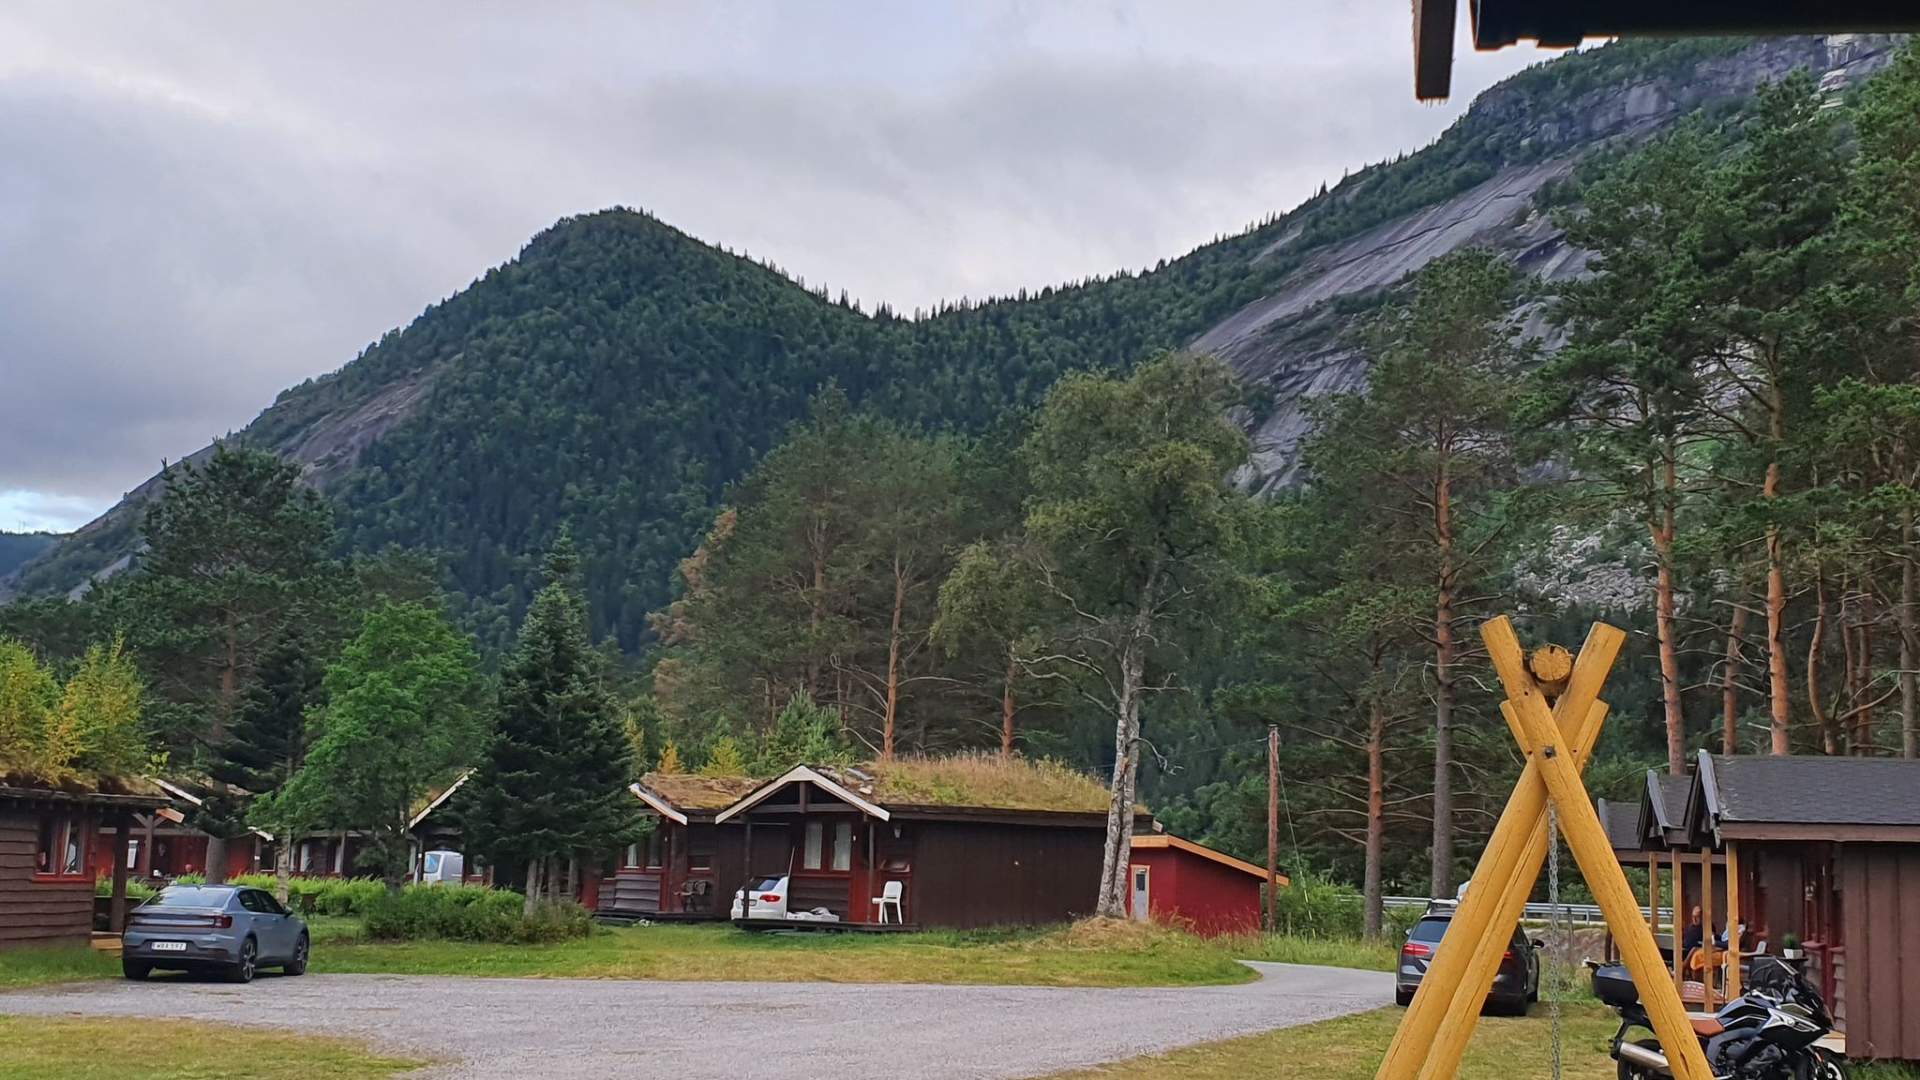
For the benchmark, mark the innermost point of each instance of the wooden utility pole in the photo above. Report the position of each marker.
(1273, 826)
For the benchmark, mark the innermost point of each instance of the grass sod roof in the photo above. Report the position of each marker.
(981, 781)
(690, 791)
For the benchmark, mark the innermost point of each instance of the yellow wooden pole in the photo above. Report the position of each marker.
(1499, 868)
(1587, 839)
(1733, 920)
(1470, 996)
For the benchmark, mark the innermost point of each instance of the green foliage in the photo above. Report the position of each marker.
(803, 734)
(331, 896)
(91, 730)
(723, 759)
(471, 913)
(17, 548)
(237, 549)
(402, 714)
(553, 782)
(138, 891)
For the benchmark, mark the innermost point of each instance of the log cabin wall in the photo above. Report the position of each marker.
(1879, 889)
(35, 908)
(968, 874)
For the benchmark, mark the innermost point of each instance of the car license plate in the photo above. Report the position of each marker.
(169, 946)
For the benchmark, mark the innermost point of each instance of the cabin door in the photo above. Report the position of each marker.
(1142, 876)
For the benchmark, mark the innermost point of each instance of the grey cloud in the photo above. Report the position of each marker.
(200, 205)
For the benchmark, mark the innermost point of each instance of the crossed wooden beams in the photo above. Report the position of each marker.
(1557, 741)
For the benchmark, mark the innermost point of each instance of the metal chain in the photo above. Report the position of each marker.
(1553, 926)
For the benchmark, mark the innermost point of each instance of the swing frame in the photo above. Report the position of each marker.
(1557, 736)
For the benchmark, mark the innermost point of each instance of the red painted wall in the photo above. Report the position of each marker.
(1183, 887)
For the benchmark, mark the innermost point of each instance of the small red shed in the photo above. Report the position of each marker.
(1176, 880)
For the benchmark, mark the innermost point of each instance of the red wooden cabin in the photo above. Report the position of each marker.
(688, 867)
(1178, 881)
(47, 842)
(971, 841)
(1826, 849)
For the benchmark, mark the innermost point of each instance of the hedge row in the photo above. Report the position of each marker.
(472, 913)
(331, 896)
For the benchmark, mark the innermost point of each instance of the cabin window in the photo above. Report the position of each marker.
(700, 847)
(62, 847)
(843, 845)
(815, 835)
(306, 856)
(653, 850)
(633, 856)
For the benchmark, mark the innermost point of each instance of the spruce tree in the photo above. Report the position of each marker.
(553, 785)
(267, 739)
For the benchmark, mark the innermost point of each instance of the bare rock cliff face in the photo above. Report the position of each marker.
(1291, 342)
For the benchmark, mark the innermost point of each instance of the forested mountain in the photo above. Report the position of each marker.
(17, 548)
(618, 374)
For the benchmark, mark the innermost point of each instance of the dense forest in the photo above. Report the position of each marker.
(1009, 526)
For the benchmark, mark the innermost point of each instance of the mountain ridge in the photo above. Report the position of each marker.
(617, 373)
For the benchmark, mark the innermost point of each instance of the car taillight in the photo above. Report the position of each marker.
(1415, 948)
(770, 898)
(222, 921)
(1508, 955)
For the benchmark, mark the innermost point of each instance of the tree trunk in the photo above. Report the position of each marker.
(1664, 619)
(283, 867)
(1782, 711)
(1441, 865)
(1376, 817)
(1007, 706)
(1828, 740)
(533, 887)
(1863, 740)
(1117, 858)
(1909, 706)
(893, 658)
(216, 869)
(1730, 683)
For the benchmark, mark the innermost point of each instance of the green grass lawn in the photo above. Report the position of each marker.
(1351, 1048)
(1078, 956)
(1124, 954)
(114, 1048)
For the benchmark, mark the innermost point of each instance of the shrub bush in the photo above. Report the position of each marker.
(331, 896)
(137, 891)
(1312, 906)
(472, 913)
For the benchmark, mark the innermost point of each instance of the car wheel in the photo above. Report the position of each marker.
(1403, 998)
(135, 970)
(298, 965)
(243, 970)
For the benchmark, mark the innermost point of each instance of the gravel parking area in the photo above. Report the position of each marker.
(578, 1028)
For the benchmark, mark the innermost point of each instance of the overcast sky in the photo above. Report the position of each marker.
(202, 204)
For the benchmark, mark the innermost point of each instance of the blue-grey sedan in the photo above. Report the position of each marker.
(230, 929)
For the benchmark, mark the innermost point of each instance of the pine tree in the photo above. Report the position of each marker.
(267, 740)
(553, 785)
(724, 759)
(669, 763)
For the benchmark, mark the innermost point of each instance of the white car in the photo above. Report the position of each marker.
(767, 901)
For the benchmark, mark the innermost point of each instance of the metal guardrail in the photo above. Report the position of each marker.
(1578, 914)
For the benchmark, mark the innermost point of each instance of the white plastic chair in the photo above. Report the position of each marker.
(890, 896)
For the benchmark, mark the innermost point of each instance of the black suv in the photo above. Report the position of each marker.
(1514, 988)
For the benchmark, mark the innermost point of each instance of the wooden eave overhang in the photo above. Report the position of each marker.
(1168, 840)
(658, 803)
(802, 774)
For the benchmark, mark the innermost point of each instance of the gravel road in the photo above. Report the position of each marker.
(577, 1028)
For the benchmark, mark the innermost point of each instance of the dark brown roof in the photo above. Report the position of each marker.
(1622, 822)
(686, 791)
(1811, 790)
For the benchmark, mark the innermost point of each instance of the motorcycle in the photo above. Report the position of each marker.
(1769, 1033)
